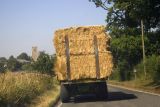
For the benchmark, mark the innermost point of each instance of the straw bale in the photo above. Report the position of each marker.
(81, 40)
(82, 53)
(83, 66)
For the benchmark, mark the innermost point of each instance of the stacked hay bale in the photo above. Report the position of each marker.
(82, 52)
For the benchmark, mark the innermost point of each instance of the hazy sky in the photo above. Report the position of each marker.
(27, 23)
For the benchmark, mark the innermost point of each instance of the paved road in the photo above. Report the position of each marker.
(118, 97)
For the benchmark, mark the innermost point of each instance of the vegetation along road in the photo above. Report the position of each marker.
(118, 97)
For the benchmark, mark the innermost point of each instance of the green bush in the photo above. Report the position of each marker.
(121, 72)
(44, 64)
(115, 74)
(157, 74)
(13, 64)
(152, 69)
(27, 67)
(2, 67)
(127, 52)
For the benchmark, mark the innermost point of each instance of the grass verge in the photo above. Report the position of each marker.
(47, 99)
(143, 85)
(20, 88)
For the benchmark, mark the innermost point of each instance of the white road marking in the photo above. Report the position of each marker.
(134, 90)
(60, 104)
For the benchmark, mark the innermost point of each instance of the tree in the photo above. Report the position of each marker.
(2, 67)
(3, 62)
(44, 63)
(154, 41)
(13, 64)
(124, 16)
(23, 56)
(3, 59)
(124, 19)
(127, 53)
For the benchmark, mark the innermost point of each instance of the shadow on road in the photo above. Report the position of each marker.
(112, 96)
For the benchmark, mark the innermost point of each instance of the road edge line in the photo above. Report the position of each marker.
(60, 104)
(131, 89)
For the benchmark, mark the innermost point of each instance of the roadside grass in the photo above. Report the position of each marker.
(47, 99)
(20, 88)
(140, 84)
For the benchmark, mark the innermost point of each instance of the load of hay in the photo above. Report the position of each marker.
(82, 53)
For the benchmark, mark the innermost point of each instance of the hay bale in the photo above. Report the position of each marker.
(83, 66)
(80, 40)
(82, 52)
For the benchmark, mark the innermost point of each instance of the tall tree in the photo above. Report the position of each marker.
(124, 16)
(44, 63)
(23, 56)
(127, 53)
(13, 64)
(3, 62)
(3, 59)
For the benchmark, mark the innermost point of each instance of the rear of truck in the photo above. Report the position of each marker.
(83, 60)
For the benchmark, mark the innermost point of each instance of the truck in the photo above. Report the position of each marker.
(83, 61)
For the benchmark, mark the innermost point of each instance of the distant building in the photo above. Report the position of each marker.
(35, 53)
(23, 61)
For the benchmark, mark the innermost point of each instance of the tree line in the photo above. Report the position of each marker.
(24, 62)
(123, 20)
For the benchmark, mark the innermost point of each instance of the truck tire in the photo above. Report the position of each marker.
(64, 94)
(102, 91)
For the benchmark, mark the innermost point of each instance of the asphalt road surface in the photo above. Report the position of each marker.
(118, 97)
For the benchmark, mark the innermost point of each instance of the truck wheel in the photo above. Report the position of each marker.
(64, 94)
(102, 91)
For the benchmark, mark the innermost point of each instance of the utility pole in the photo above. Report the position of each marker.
(144, 62)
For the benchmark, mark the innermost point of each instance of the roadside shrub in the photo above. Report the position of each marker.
(157, 71)
(127, 53)
(2, 67)
(120, 73)
(27, 67)
(44, 64)
(115, 74)
(152, 68)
